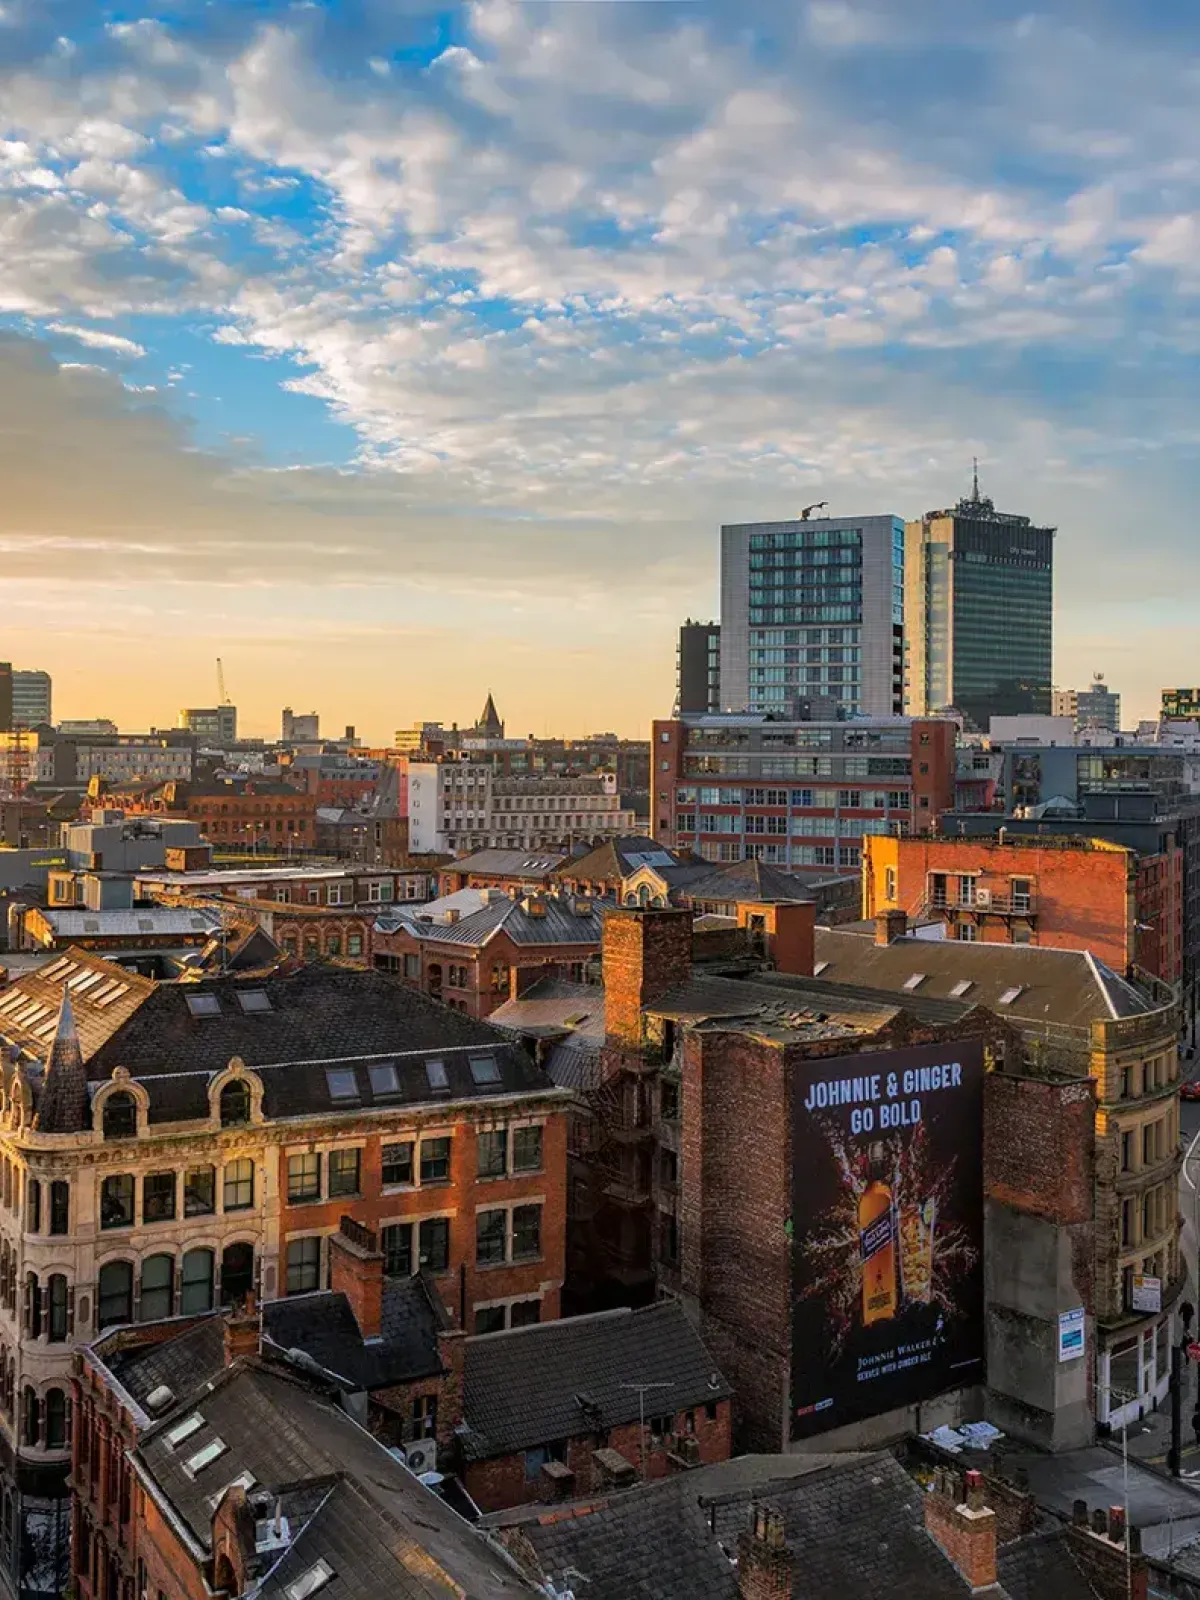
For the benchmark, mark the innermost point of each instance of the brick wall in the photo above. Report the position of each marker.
(646, 953)
(500, 1483)
(1039, 1146)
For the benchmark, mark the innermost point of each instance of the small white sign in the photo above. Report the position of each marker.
(1147, 1293)
(1071, 1334)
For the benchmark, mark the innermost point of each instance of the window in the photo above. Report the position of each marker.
(237, 1272)
(344, 1171)
(435, 1071)
(435, 1160)
(537, 1458)
(158, 1197)
(56, 1419)
(33, 1205)
(29, 1415)
(484, 1069)
(669, 1238)
(492, 1154)
(116, 1201)
(254, 1000)
(527, 1232)
(199, 1191)
(114, 1300)
(668, 1101)
(434, 1243)
(60, 1206)
(204, 1005)
(120, 1116)
(1127, 1148)
(304, 1177)
(669, 1167)
(235, 1098)
(1129, 1083)
(354, 944)
(196, 1282)
(384, 1078)
(489, 1319)
(239, 1185)
(966, 932)
(491, 1236)
(303, 1265)
(310, 1582)
(58, 1311)
(524, 1313)
(396, 1240)
(397, 1163)
(412, 966)
(158, 1283)
(343, 1084)
(527, 1149)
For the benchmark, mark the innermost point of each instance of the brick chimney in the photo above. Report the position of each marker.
(646, 953)
(356, 1270)
(890, 925)
(243, 1327)
(764, 1558)
(962, 1526)
(1099, 1549)
(233, 1540)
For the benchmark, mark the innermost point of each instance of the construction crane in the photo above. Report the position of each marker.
(222, 695)
(817, 505)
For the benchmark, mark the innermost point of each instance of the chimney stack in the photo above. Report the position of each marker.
(645, 954)
(962, 1526)
(890, 925)
(242, 1331)
(356, 1270)
(764, 1558)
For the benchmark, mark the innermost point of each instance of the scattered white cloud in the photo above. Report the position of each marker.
(97, 339)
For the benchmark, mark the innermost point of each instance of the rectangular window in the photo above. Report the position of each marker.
(527, 1149)
(668, 1101)
(412, 966)
(396, 1240)
(199, 1191)
(354, 944)
(491, 1234)
(303, 1265)
(1127, 1152)
(158, 1197)
(527, 1232)
(398, 1163)
(489, 1319)
(435, 1160)
(492, 1153)
(304, 1177)
(434, 1243)
(345, 1167)
(239, 1185)
(60, 1206)
(524, 1313)
(117, 1201)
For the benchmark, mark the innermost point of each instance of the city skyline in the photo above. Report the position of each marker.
(341, 343)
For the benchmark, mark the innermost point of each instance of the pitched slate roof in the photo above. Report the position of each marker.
(526, 864)
(855, 1528)
(745, 880)
(193, 1357)
(559, 923)
(1066, 987)
(323, 1326)
(103, 997)
(553, 1380)
(617, 858)
(158, 922)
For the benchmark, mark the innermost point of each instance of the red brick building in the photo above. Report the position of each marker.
(471, 957)
(1062, 891)
(257, 813)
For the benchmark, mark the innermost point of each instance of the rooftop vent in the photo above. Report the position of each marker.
(159, 1399)
(914, 980)
(1009, 995)
(308, 1583)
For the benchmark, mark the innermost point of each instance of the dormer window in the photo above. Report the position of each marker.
(235, 1103)
(120, 1116)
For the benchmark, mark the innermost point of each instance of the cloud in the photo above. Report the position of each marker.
(96, 339)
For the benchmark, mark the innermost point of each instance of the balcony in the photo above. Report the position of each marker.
(985, 901)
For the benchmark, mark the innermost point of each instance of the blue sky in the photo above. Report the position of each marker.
(397, 352)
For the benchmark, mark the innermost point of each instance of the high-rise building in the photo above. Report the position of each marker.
(698, 668)
(813, 612)
(1097, 706)
(978, 602)
(211, 722)
(6, 696)
(30, 699)
(1182, 705)
(299, 729)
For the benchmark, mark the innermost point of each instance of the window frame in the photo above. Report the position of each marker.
(227, 1182)
(162, 1205)
(527, 1255)
(527, 1131)
(491, 1237)
(304, 1177)
(494, 1140)
(429, 1161)
(305, 1264)
(336, 1186)
(128, 1183)
(394, 1182)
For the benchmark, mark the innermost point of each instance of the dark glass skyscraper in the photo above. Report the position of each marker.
(978, 613)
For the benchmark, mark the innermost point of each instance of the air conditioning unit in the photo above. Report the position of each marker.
(421, 1456)
(983, 897)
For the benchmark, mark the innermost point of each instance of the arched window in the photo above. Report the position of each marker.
(116, 1294)
(33, 1306)
(29, 1415)
(196, 1283)
(33, 1206)
(237, 1273)
(56, 1419)
(58, 1316)
(120, 1116)
(158, 1285)
(235, 1103)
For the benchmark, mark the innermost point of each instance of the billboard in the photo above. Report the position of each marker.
(887, 1231)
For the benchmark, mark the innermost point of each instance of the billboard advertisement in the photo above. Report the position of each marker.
(887, 1231)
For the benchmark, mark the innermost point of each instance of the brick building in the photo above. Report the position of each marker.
(166, 1147)
(369, 889)
(471, 949)
(252, 814)
(800, 794)
(200, 1465)
(501, 869)
(1065, 893)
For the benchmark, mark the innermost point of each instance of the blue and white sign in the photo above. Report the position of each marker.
(1070, 1334)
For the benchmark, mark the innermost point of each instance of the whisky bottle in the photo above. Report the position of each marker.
(877, 1243)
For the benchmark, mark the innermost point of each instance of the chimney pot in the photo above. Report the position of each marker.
(890, 926)
(1135, 1540)
(1099, 1522)
(1116, 1524)
(242, 1329)
(1079, 1513)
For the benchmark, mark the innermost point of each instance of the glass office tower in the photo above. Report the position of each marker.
(978, 609)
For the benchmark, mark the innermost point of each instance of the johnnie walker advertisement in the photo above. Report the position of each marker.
(887, 1231)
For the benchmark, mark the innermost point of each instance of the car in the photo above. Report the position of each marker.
(1190, 1090)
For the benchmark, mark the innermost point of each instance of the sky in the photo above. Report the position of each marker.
(395, 354)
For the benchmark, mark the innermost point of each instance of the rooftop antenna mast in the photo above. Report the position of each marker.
(975, 479)
(222, 695)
